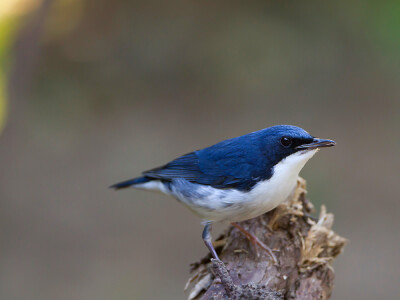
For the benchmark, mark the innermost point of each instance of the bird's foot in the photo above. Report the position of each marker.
(257, 242)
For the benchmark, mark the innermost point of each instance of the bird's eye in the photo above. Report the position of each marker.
(286, 141)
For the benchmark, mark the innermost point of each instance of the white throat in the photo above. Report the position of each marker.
(289, 168)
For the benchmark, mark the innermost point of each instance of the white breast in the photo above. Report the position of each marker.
(267, 195)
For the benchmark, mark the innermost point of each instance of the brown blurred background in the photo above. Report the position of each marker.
(95, 91)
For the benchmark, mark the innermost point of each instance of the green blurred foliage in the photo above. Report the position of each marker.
(7, 35)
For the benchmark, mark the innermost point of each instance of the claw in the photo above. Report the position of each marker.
(255, 241)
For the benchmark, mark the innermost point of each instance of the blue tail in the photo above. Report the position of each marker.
(130, 182)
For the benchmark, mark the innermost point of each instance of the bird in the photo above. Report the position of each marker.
(237, 179)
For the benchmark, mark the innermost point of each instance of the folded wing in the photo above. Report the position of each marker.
(214, 166)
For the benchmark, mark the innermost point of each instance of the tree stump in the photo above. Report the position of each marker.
(305, 248)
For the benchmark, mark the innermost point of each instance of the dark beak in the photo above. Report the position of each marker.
(317, 143)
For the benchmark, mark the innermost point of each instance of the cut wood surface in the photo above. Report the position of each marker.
(305, 248)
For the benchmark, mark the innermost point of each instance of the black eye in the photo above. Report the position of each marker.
(286, 141)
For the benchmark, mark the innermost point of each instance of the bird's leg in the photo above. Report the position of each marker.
(255, 241)
(208, 240)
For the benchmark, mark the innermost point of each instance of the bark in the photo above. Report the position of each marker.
(305, 248)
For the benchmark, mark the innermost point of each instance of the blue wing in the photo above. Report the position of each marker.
(229, 164)
(185, 167)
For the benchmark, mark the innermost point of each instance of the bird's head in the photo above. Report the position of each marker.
(282, 141)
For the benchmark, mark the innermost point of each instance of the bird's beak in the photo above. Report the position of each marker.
(317, 143)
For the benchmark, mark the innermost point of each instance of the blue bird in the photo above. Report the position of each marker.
(237, 179)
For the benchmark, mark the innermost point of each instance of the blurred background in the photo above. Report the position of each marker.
(95, 91)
